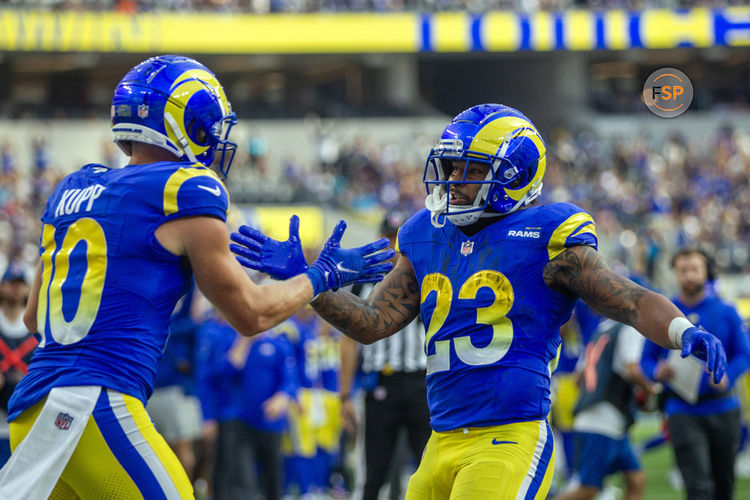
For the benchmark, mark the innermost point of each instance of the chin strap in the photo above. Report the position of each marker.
(437, 203)
(437, 219)
(182, 141)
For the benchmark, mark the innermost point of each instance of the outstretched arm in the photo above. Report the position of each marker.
(249, 308)
(580, 271)
(392, 305)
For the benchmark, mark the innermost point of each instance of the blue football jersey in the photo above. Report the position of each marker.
(329, 359)
(108, 285)
(492, 324)
(302, 334)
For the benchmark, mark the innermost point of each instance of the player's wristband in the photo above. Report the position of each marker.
(676, 328)
(318, 280)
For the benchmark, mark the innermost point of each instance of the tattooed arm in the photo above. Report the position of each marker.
(393, 304)
(581, 271)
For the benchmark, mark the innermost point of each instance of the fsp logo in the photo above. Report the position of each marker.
(524, 234)
(667, 92)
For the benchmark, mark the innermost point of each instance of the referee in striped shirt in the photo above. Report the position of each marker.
(394, 371)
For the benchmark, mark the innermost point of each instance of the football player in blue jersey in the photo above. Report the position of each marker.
(118, 248)
(493, 276)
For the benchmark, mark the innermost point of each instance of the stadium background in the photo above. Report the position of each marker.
(340, 100)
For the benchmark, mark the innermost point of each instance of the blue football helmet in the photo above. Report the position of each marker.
(500, 137)
(178, 104)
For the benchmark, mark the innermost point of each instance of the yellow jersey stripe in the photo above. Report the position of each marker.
(588, 228)
(570, 227)
(552, 365)
(177, 179)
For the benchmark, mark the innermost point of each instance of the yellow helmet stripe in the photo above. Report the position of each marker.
(517, 194)
(494, 132)
(487, 139)
(211, 80)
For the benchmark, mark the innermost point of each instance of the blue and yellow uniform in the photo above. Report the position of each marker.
(299, 442)
(329, 360)
(328, 431)
(108, 290)
(492, 340)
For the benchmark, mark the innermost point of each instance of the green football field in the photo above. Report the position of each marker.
(658, 463)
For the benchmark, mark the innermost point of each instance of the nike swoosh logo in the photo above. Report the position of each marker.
(214, 190)
(495, 441)
(344, 269)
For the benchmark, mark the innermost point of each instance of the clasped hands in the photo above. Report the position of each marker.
(334, 268)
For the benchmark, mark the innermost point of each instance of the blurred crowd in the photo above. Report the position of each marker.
(266, 6)
(651, 198)
(22, 199)
(648, 198)
(277, 431)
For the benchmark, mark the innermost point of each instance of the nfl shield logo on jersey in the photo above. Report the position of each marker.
(143, 111)
(63, 421)
(467, 247)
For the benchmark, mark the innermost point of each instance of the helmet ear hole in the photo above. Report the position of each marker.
(201, 137)
(126, 147)
(197, 133)
(524, 178)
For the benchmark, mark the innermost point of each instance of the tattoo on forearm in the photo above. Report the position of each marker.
(582, 272)
(391, 306)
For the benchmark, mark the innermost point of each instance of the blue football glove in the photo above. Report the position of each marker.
(705, 346)
(279, 259)
(337, 267)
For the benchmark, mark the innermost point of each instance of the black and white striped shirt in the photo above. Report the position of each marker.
(401, 352)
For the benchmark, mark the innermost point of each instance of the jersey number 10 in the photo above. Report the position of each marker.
(56, 265)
